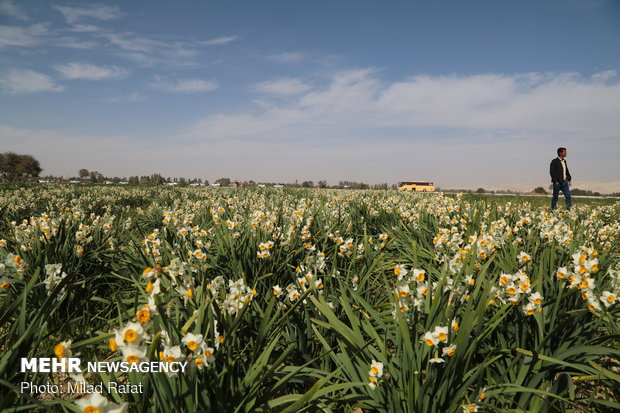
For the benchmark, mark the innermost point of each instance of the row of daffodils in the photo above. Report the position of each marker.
(307, 300)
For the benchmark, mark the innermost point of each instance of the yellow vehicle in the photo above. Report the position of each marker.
(416, 186)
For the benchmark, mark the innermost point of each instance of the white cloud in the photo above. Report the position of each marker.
(22, 36)
(285, 87)
(74, 43)
(95, 11)
(218, 41)
(85, 28)
(9, 8)
(289, 57)
(127, 98)
(91, 72)
(148, 51)
(132, 42)
(18, 82)
(183, 85)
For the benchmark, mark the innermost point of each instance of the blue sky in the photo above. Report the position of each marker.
(466, 94)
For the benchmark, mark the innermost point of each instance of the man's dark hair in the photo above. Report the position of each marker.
(560, 150)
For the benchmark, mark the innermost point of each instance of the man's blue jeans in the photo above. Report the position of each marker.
(556, 193)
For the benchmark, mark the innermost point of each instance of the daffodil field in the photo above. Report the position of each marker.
(309, 300)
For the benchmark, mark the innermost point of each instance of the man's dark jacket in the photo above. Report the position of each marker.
(555, 169)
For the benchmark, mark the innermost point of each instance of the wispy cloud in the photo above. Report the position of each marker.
(22, 36)
(94, 11)
(85, 28)
(18, 82)
(148, 51)
(9, 8)
(289, 57)
(284, 86)
(74, 43)
(183, 85)
(131, 97)
(88, 71)
(218, 41)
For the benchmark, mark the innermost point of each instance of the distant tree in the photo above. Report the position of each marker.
(250, 183)
(223, 181)
(307, 184)
(84, 173)
(14, 167)
(96, 178)
(322, 184)
(480, 191)
(134, 180)
(156, 179)
(540, 190)
(584, 192)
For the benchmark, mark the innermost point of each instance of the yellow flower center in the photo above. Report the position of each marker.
(132, 358)
(429, 342)
(59, 350)
(443, 336)
(130, 335)
(171, 359)
(199, 362)
(396, 271)
(149, 287)
(144, 316)
(113, 345)
(5, 286)
(374, 370)
(90, 409)
(208, 354)
(611, 299)
(192, 345)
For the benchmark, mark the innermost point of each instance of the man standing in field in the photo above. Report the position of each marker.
(560, 178)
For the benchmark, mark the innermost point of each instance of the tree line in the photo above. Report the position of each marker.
(17, 167)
